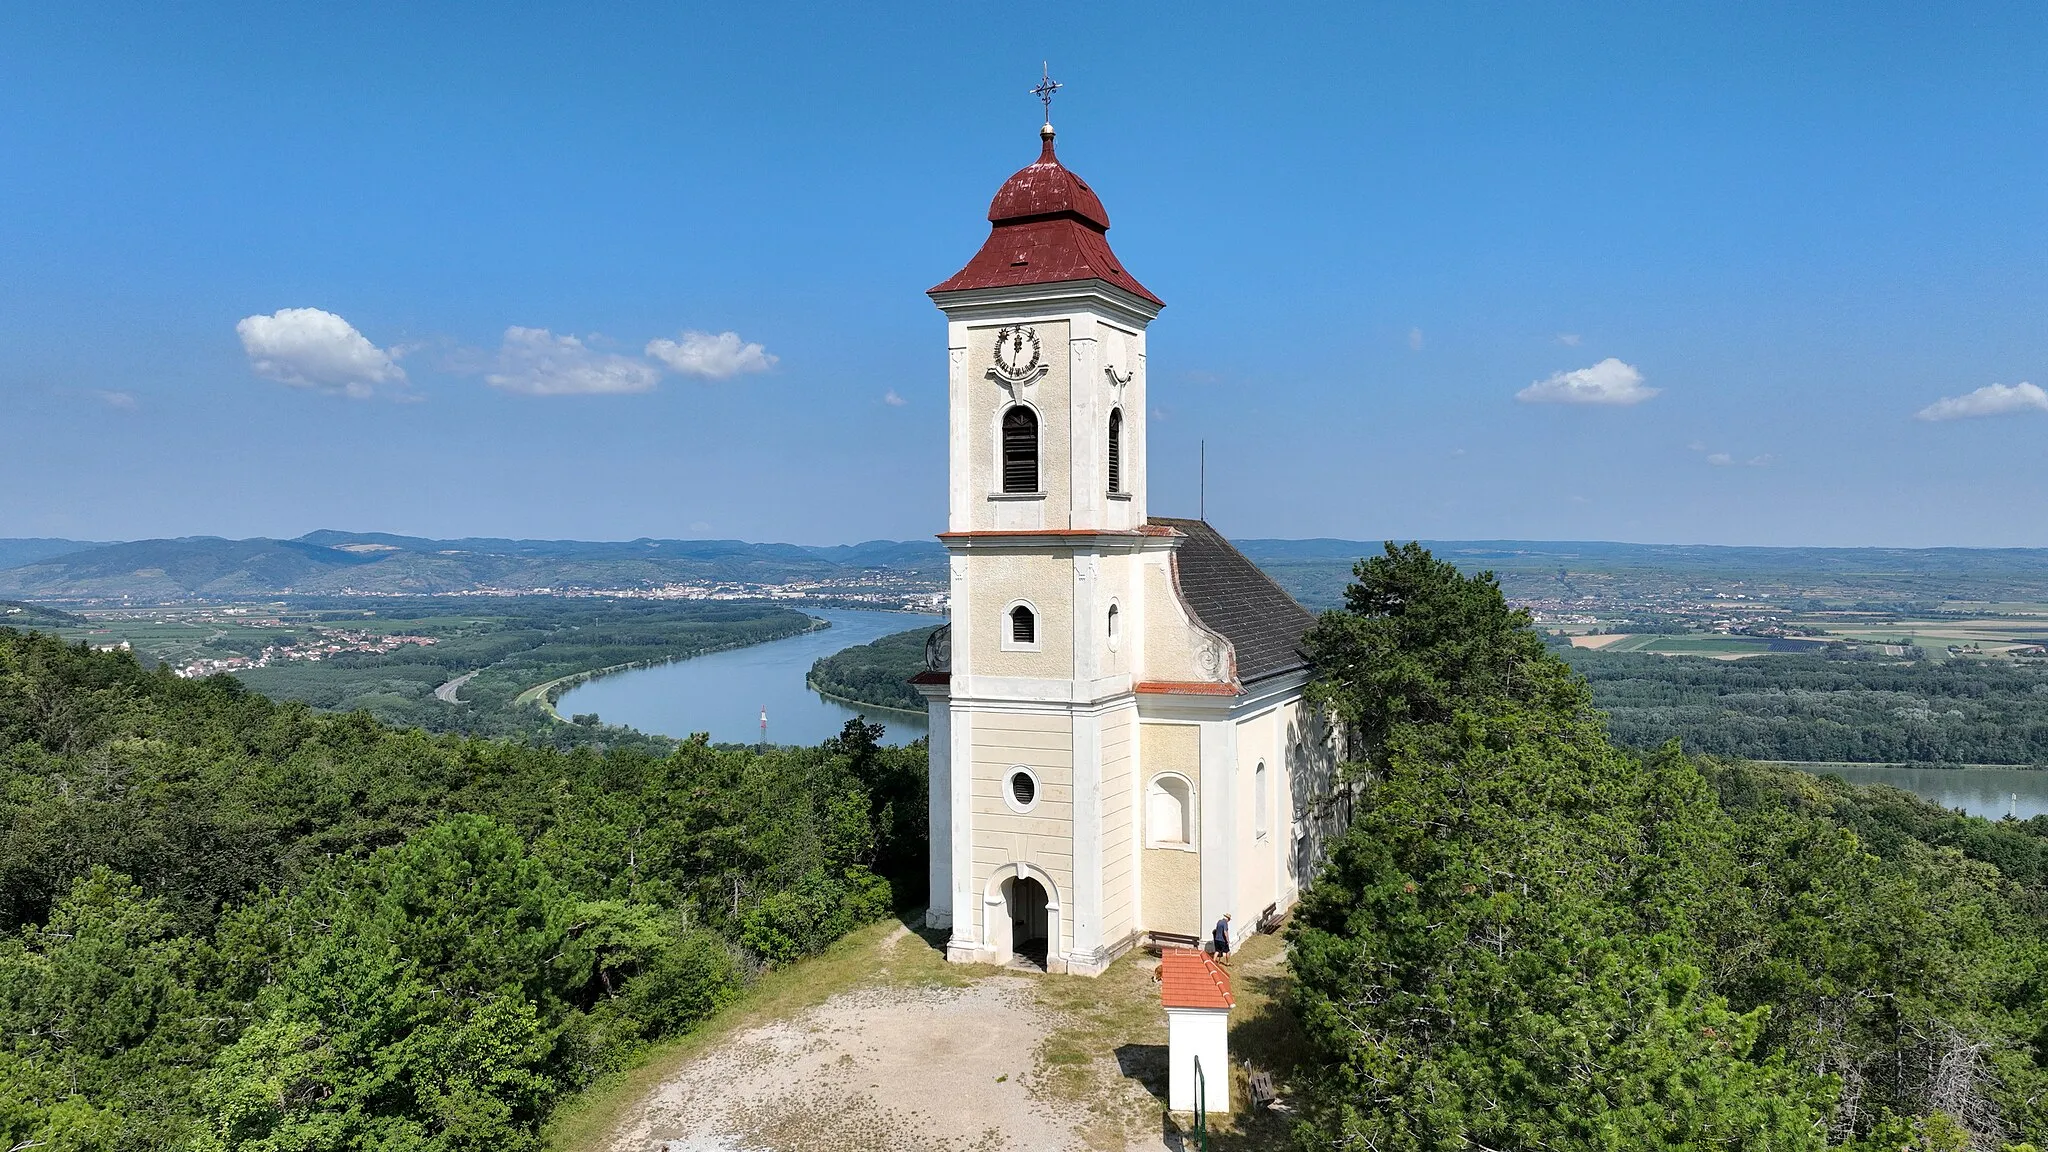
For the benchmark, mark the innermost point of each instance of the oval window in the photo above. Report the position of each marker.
(1023, 788)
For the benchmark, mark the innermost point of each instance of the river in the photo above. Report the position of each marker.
(1986, 792)
(723, 693)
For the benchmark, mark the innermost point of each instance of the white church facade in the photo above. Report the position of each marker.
(1119, 740)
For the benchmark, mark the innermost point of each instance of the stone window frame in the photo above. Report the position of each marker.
(1009, 792)
(1189, 813)
(1006, 636)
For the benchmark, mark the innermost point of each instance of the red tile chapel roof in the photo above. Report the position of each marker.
(1190, 978)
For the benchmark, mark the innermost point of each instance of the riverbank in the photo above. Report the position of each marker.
(726, 693)
(851, 702)
(546, 694)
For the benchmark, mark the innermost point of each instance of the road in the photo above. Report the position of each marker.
(446, 692)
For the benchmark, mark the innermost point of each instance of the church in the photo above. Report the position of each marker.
(1119, 741)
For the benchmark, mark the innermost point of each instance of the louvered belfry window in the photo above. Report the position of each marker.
(1116, 450)
(1023, 626)
(1020, 450)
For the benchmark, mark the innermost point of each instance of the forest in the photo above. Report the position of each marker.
(1825, 707)
(1835, 707)
(875, 673)
(229, 923)
(1532, 937)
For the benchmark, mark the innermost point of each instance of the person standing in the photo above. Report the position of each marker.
(1221, 938)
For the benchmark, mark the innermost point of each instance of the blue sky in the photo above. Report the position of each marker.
(1795, 232)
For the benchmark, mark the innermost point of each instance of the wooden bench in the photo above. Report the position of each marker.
(1157, 942)
(1263, 1092)
(1270, 920)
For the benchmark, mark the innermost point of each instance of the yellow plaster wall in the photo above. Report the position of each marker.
(1044, 578)
(1173, 876)
(1175, 646)
(1044, 836)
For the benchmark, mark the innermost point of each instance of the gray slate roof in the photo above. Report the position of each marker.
(1231, 595)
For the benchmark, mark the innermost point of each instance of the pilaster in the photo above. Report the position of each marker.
(939, 905)
(1218, 816)
(1087, 901)
(967, 928)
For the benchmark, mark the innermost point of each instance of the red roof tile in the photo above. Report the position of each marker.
(1190, 978)
(1185, 688)
(1048, 228)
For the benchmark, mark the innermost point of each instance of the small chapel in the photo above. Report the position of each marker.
(1119, 741)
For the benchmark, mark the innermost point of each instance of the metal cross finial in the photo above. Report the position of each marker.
(1046, 87)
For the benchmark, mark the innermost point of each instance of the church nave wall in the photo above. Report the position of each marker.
(1172, 882)
(1259, 834)
(1176, 647)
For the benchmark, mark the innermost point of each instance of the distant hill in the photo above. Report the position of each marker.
(28, 550)
(14, 614)
(330, 563)
(369, 563)
(1316, 571)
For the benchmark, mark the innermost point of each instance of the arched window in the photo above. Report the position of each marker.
(1260, 805)
(1170, 812)
(1116, 450)
(1112, 626)
(1023, 626)
(1020, 450)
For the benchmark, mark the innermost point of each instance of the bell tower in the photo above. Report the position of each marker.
(1046, 515)
(1046, 359)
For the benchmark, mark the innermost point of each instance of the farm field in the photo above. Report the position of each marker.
(1712, 647)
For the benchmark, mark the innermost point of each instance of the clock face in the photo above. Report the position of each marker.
(1017, 352)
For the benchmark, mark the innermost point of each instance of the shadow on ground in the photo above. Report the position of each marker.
(1145, 1063)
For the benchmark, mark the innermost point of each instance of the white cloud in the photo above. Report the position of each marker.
(536, 362)
(311, 348)
(1720, 459)
(893, 400)
(1608, 382)
(1568, 339)
(125, 401)
(711, 357)
(1415, 339)
(1990, 400)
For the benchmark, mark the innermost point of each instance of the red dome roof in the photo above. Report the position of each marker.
(1048, 228)
(1046, 188)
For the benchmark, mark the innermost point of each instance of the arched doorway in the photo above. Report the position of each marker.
(1024, 901)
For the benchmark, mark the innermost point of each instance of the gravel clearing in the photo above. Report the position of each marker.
(881, 1069)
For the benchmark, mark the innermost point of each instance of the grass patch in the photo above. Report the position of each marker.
(1107, 1051)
